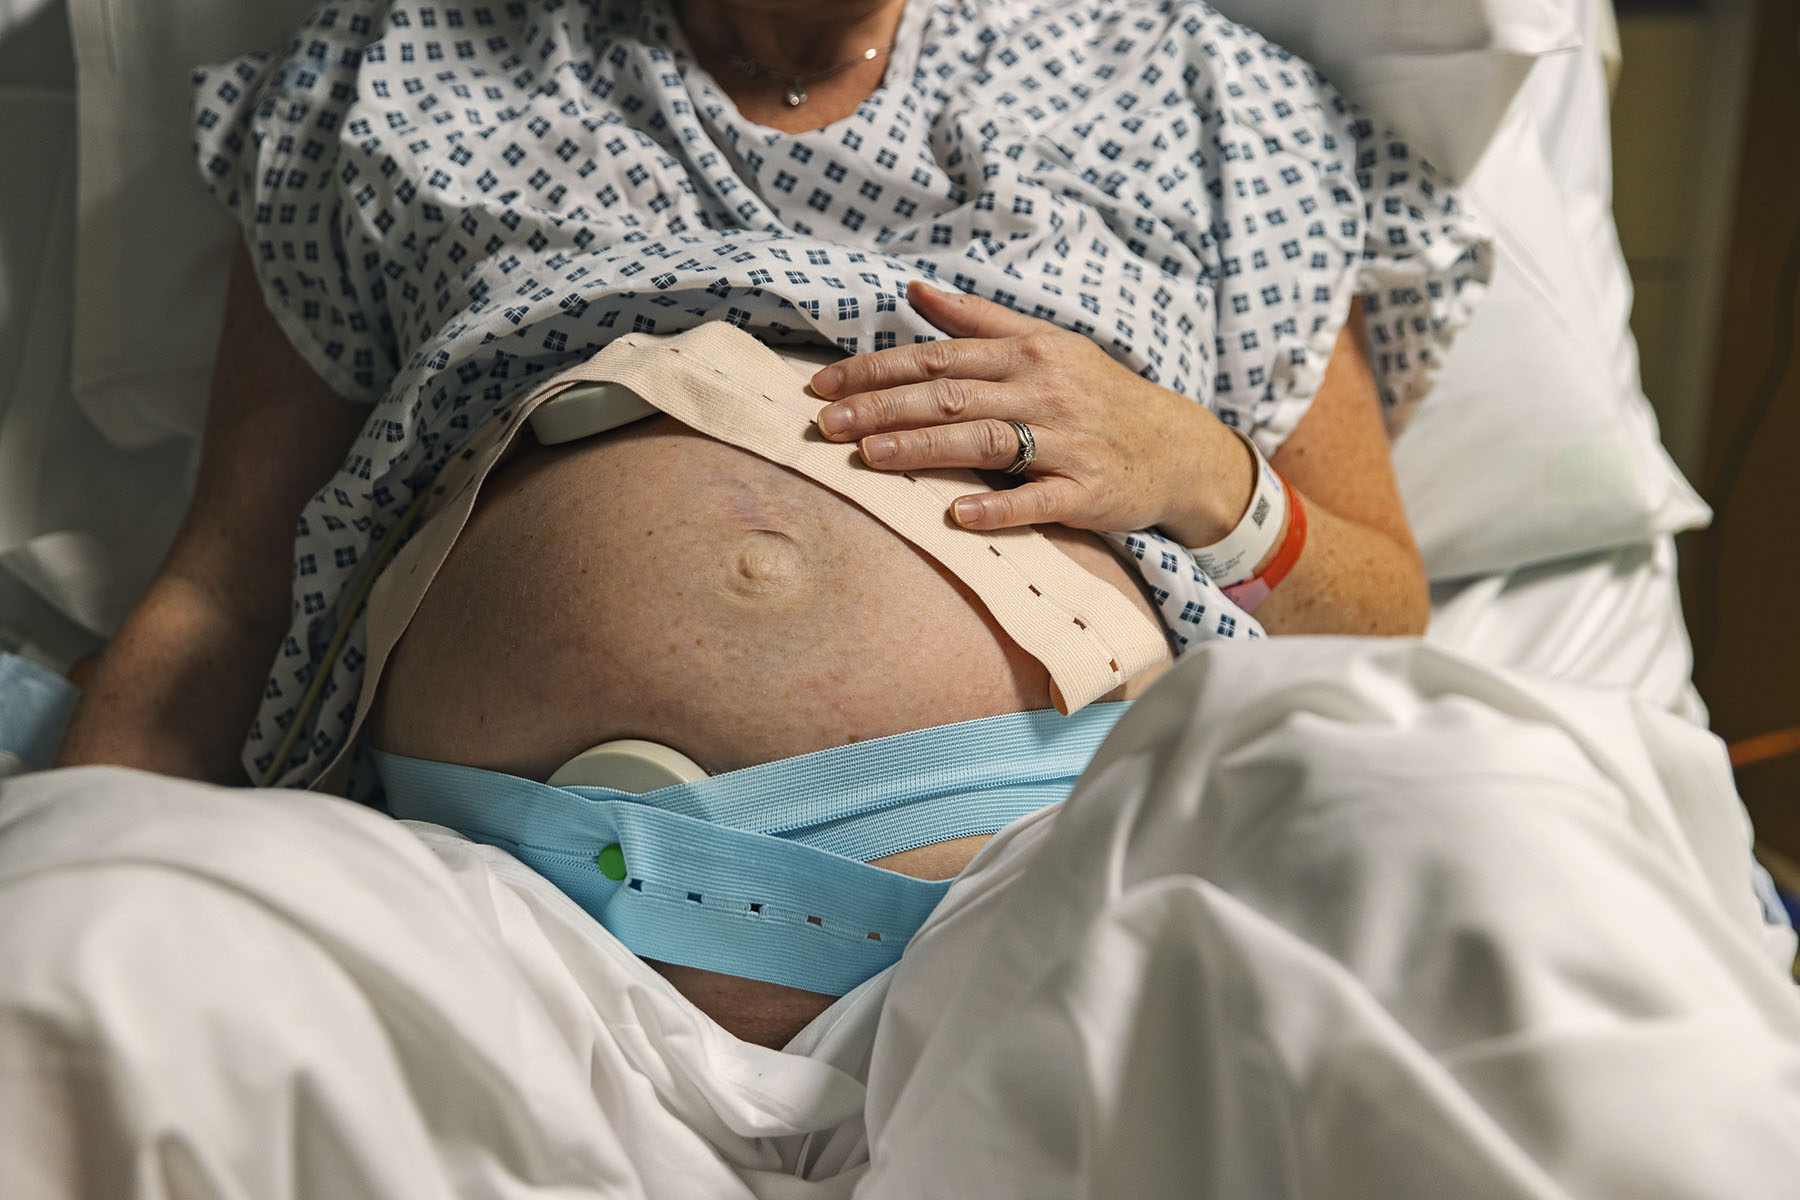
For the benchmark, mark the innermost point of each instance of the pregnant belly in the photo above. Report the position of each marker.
(658, 584)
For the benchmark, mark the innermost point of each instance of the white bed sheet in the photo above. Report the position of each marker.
(1611, 619)
(1326, 917)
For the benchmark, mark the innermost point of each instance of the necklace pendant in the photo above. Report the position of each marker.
(795, 95)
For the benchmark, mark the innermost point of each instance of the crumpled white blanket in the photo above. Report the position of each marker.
(1326, 917)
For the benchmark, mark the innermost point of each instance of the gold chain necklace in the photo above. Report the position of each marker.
(795, 95)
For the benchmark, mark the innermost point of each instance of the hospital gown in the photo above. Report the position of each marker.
(444, 201)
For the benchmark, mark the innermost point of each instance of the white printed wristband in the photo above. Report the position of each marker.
(1233, 558)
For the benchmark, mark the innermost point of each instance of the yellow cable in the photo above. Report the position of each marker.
(316, 689)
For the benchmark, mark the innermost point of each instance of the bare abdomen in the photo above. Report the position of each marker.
(661, 585)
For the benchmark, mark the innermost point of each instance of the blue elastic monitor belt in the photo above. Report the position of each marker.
(762, 872)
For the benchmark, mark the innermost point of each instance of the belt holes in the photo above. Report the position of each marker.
(756, 906)
(1079, 623)
(1034, 590)
(995, 549)
(874, 937)
(819, 921)
(1113, 666)
(695, 897)
(636, 885)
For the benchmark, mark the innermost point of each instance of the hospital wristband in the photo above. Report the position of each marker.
(1233, 558)
(1252, 592)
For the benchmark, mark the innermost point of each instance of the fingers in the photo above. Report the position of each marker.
(913, 406)
(987, 341)
(1041, 502)
(964, 316)
(985, 445)
(968, 358)
(948, 403)
(990, 445)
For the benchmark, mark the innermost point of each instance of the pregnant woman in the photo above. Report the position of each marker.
(1158, 242)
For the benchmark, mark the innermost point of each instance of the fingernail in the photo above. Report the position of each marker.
(825, 382)
(834, 418)
(966, 510)
(879, 448)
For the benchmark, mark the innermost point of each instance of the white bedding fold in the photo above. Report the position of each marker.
(1325, 917)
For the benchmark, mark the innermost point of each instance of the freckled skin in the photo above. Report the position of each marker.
(658, 584)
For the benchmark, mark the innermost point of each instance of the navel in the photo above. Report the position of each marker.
(764, 564)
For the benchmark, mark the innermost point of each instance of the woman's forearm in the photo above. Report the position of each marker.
(1358, 571)
(178, 686)
(1349, 579)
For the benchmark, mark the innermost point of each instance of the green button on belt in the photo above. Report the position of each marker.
(611, 862)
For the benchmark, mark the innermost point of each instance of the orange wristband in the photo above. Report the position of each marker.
(1253, 591)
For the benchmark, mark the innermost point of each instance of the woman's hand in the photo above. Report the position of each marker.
(1114, 451)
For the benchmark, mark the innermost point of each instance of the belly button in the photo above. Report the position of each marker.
(766, 562)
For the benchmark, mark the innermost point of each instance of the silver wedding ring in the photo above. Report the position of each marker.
(1027, 449)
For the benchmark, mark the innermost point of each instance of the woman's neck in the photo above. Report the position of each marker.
(755, 48)
(797, 37)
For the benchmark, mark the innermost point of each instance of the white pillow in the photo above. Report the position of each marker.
(152, 245)
(1536, 443)
(1442, 71)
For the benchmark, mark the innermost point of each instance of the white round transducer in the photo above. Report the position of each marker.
(628, 765)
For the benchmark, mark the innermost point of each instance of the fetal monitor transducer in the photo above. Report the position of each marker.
(628, 765)
(586, 409)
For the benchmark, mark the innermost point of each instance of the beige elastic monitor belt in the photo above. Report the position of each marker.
(724, 383)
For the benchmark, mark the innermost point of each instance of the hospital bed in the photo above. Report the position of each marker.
(1544, 505)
